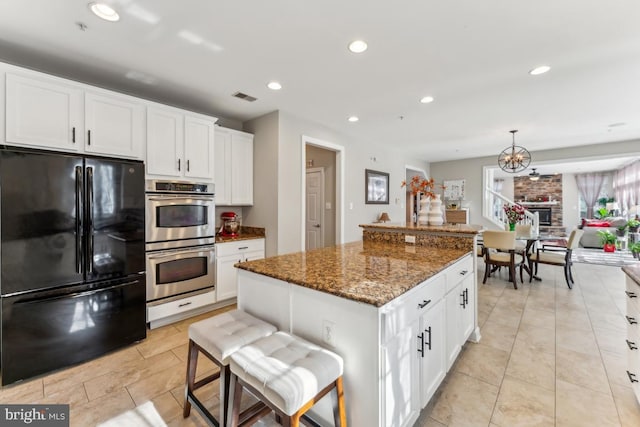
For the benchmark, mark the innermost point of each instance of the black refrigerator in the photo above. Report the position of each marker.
(72, 253)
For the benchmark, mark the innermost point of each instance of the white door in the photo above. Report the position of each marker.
(114, 125)
(432, 362)
(468, 311)
(453, 307)
(226, 276)
(43, 113)
(241, 169)
(198, 148)
(165, 140)
(222, 169)
(314, 195)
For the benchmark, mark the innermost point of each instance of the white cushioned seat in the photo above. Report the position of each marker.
(504, 257)
(225, 333)
(286, 369)
(549, 258)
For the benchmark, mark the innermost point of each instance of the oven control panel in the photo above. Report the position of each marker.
(178, 187)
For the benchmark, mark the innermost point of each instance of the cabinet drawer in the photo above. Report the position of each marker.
(239, 246)
(458, 272)
(401, 312)
(179, 306)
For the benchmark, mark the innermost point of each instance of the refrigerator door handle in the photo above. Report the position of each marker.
(79, 216)
(89, 219)
(76, 294)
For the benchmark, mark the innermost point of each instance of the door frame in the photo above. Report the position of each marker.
(322, 224)
(340, 165)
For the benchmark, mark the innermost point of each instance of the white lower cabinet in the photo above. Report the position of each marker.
(227, 255)
(633, 335)
(406, 341)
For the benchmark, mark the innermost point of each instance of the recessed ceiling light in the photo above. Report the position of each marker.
(104, 11)
(539, 70)
(426, 99)
(357, 46)
(353, 119)
(274, 85)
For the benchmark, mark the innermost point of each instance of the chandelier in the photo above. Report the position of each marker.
(515, 158)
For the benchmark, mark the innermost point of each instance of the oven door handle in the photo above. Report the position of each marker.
(173, 252)
(169, 198)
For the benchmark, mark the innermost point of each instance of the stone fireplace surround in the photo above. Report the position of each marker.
(544, 193)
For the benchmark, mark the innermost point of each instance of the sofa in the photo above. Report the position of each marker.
(591, 238)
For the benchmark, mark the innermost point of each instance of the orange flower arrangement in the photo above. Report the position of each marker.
(418, 184)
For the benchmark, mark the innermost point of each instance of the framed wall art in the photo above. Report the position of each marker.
(376, 187)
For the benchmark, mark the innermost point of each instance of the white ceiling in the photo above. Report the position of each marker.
(578, 166)
(472, 56)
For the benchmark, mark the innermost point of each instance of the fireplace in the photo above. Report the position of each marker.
(544, 214)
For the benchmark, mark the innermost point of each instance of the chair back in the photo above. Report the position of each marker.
(499, 239)
(574, 239)
(523, 230)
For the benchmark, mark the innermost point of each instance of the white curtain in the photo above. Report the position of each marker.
(626, 186)
(589, 186)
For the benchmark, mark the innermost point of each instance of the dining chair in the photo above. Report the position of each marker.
(522, 230)
(499, 251)
(559, 255)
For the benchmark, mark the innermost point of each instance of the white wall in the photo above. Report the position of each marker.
(472, 169)
(278, 185)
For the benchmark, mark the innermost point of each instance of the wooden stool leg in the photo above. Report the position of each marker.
(192, 362)
(339, 412)
(235, 403)
(225, 378)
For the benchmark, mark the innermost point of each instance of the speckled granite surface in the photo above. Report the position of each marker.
(369, 272)
(411, 228)
(633, 272)
(246, 233)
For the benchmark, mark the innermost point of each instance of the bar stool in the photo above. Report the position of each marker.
(289, 375)
(217, 338)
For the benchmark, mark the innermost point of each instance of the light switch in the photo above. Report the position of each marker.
(350, 206)
(327, 205)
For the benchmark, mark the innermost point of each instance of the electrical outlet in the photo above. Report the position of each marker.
(409, 239)
(328, 332)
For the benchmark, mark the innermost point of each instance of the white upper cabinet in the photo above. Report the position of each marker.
(165, 141)
(49, 112)
(114, 125)
(198, 147)
(234, 168)
(43, 113)
(179, 144)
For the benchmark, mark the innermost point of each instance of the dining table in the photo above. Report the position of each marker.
(531, 239)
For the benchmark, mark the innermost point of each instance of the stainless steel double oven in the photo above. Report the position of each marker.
(180, 237)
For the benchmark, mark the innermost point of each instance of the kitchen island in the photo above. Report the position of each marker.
(398, 314)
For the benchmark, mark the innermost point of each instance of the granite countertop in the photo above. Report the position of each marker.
(409, 228)
(241, 236)
(633, 272)
(369, 272)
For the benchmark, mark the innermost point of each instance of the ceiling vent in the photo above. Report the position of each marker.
(244, 96)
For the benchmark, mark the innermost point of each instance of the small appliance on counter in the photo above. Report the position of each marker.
(230, 224)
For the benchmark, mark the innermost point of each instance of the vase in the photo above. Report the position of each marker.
(435, 211)
(512, 226)
(423, 212)
(609, 247)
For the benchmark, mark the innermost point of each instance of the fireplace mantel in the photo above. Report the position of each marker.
(555, 202)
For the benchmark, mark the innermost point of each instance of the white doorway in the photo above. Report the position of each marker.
(333, 204)
(314, 221)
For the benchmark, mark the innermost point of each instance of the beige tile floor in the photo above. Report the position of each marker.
(549, 356)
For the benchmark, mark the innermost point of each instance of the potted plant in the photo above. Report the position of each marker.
(608, 240)
(622, 230)
(635, 250)
(633, 225)
(514, 213)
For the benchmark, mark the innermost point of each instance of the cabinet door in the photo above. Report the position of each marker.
(43, 113)
(253, 255)
(222, 169)
(198, 148)
(241, 169)
(432, 363)
(468, 309)
(401, 378)
(453, 324)
(226, 276)
(165, 142)
(114, 125)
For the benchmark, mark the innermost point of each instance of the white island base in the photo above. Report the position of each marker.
(395, 356)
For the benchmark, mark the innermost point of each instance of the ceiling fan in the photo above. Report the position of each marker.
(534, 176)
